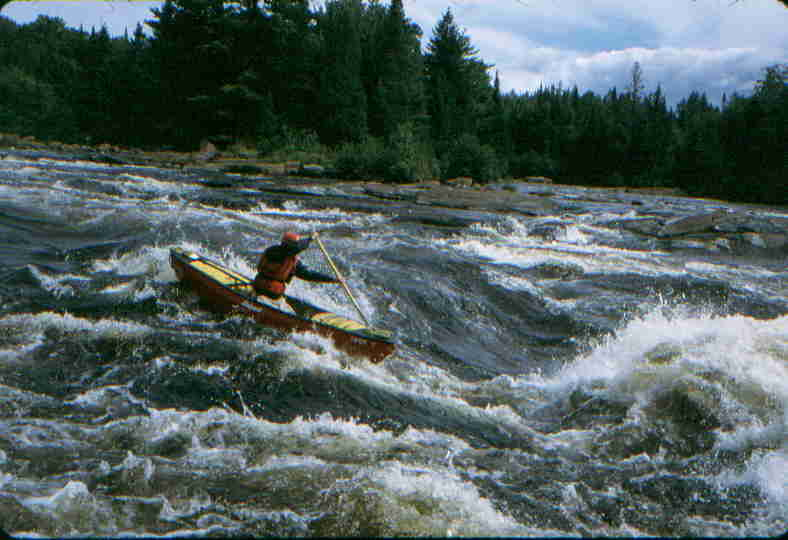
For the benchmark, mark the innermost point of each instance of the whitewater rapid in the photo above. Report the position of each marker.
(556, 375)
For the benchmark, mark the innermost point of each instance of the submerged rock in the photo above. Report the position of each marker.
(647, 225)
(312, 171)
(689, 412)
(243, 169)
(557, 270)
(461, 181)
(664, 353)
(18, 518)
(207, 151)
(692, 224)
(548, 230)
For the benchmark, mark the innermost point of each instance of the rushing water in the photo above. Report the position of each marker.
(555, 375)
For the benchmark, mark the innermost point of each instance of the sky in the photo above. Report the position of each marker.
(711, 46)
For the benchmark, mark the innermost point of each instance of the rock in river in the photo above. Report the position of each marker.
(692, 224)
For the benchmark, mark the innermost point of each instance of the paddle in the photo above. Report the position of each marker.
(339, 277)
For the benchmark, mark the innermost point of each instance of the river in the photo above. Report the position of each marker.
(582, 369)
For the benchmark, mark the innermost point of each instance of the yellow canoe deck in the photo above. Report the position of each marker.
(243, 285)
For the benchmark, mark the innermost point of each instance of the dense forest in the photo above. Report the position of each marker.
(352, 79)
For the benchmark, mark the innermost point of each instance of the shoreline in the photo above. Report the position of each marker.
(724, 226)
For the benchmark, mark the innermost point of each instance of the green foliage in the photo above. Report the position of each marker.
(347, 81)
(396, 95)
(403, 158)
(458, 85)
(342, 97)
(532, 163)
(467, 157)
(27, 105)
(284, 142)
(360, 160)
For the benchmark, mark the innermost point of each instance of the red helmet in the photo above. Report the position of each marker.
(293, 243)
(290, 238)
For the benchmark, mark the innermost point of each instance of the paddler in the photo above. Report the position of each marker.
(279, 263)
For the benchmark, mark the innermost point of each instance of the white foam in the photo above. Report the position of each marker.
(150, 261)
(772, 475)
(456, 504)
(39, 322)
(210, 370)
(290, 461)
(55, 284)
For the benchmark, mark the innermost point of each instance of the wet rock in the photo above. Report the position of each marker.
(692, 224)
(627, 440)
(684, 496)
(557, 270)
(243, 169)
(485, 200)
(755, 244)
(390, 192)
(690, 410)
(312, 171)
(664, 353)
(207, 151)
(647, 226)
(591, 409)
(15, 518)
(173, 445)
(775, 241)
(548, 230)
(539, 179)
(111, 160)
(174, 386)
(436, 220)
(292, 167)
(461, 181)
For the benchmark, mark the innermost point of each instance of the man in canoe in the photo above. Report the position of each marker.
(279, 263)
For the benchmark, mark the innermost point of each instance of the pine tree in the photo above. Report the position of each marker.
(342, 97)
(292, 59)
(399, 92)
(457, 81)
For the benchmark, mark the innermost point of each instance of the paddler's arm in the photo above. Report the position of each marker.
(302, 272)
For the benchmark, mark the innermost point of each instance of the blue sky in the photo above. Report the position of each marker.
(714, 46)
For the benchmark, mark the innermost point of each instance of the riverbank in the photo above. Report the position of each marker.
(724, 227)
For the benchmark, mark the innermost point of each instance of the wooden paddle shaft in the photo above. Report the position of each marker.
(339, 277)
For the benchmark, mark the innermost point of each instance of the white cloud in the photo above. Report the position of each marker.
(708, 45)
(678, 71)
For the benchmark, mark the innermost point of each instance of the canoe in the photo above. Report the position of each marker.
(226, 291)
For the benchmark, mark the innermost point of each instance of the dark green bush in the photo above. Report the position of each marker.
(467, 157)
(403, 158)
(532, 163)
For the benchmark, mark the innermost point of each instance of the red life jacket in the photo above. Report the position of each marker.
(272, 277)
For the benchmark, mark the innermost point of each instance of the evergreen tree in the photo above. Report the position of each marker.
(342, 96)
(293, 65)
(699, 160)
(399, 92)
(458, 84)
(753, 132)
(193, 49)
(371, 31)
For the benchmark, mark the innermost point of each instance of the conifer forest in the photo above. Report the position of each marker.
(359, 81)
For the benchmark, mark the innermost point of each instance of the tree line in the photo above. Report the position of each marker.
(352, 77)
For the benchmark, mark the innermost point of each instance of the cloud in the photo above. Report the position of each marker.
(683, 45)
(678, 71)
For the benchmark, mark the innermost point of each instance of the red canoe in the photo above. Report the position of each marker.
(227, 291)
